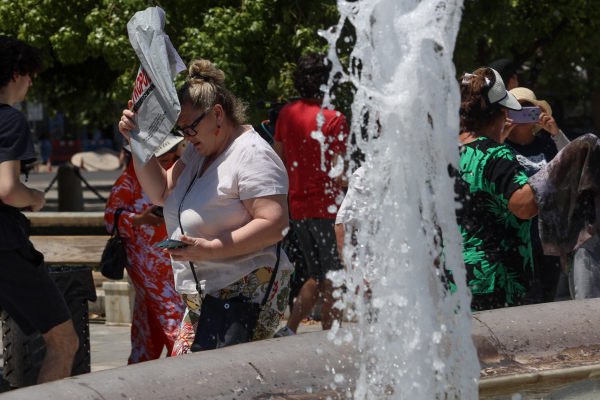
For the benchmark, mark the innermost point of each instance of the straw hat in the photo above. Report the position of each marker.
(524, 94)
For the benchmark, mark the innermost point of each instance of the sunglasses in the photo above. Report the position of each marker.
(189, 130)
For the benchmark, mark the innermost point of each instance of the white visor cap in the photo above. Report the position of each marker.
(499, 94)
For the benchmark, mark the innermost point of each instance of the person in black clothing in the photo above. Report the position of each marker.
(27, 292)
(534, 153)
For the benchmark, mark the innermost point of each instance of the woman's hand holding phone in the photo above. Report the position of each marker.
(198, 249)
(548, 123)
(170, 244)
(508, 126)
(148, 217)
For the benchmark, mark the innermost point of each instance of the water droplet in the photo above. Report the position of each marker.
(332, 209)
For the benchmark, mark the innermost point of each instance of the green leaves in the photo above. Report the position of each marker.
(67, 44)
(258, 44)
(255, 42)
(554, 42)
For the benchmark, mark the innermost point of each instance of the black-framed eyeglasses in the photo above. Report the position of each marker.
(188, 129)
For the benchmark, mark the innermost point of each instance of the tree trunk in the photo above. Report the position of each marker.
(596, 108)
(594, 79)
(536, 68)
(481, 52)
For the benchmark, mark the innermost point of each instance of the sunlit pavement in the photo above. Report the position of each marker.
(110, 346)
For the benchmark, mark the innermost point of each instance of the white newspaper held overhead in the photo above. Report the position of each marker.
(155, 102)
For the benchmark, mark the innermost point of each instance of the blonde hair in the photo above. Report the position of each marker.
(204, 89)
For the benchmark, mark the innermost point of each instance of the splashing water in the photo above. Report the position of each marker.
(415, 337)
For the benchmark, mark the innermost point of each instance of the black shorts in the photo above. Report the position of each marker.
(28, 293)
(318, 243)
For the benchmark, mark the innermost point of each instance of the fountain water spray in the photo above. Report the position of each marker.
(414, 336)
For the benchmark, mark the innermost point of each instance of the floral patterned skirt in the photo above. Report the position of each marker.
(254, 285)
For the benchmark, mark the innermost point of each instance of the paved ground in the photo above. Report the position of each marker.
(111, 345)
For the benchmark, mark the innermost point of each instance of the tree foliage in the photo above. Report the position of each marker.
(554, 41)
(91, 64)
(257, 43)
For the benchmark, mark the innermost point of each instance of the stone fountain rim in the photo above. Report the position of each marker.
(503, 338)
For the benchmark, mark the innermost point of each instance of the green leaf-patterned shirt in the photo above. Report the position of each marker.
(496, 244)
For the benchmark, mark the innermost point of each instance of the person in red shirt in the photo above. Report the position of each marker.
(315, 164)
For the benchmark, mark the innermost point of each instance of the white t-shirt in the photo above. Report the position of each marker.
(247, 169)
(356, 203)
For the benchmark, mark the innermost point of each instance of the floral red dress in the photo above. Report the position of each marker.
(158, 309)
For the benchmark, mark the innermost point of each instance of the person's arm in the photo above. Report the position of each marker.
(268, 226)
(549, 124)
(14, 193)
(560, 140)
(508, 180)
(340, 162)
(522, 203)
(278, 147)
(157, 183)
(340, 236)
(147, 217)
(121, 197)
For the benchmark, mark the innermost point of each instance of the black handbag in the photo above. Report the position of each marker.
(114, 256)
(226, 322)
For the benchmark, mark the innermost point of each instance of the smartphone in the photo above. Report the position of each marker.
(170, 244)
(527, 114)
(158, 211)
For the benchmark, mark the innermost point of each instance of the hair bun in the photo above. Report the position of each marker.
(204, 71)
(203, 77)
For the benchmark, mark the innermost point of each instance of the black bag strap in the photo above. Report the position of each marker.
(275, 270)
(181, 229)
(273, 276)
(116, 225)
